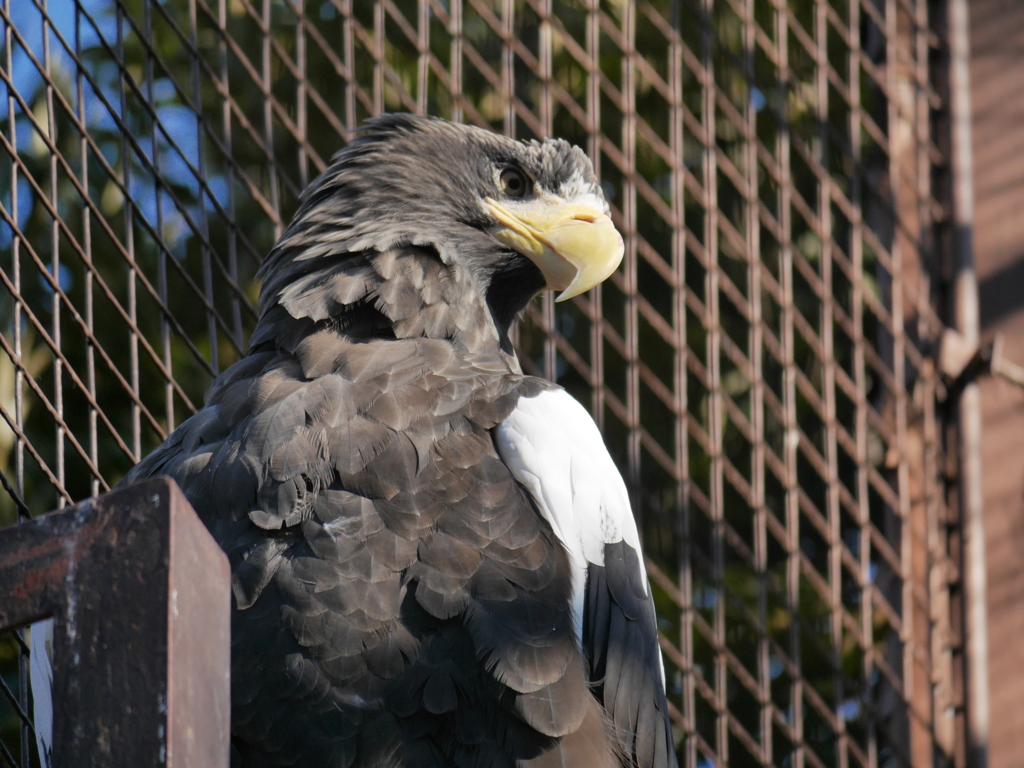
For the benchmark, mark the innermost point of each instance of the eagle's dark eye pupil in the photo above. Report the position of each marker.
(513, 182)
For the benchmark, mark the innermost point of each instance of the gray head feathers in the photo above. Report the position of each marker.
(408, 180)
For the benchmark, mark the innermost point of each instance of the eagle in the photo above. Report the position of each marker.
(434, 560)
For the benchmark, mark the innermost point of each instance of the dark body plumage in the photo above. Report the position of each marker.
(399, 600)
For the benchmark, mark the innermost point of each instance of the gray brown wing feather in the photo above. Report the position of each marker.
(621, 642)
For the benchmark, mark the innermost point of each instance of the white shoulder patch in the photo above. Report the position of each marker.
(554, 448)
(40, 673)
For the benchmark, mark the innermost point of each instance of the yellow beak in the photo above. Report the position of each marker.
(574, 246)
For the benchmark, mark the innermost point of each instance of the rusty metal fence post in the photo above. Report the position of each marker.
(140, 596)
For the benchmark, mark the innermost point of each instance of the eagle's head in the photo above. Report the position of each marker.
(507, 218)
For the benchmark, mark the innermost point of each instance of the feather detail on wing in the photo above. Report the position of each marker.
(555, 450)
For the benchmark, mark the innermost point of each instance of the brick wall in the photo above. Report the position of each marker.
(997, 93)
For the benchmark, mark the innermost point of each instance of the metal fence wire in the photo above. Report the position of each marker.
(761, 366)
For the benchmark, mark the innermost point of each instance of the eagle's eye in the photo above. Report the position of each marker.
(513, 182)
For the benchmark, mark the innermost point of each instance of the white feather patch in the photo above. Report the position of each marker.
(554, 448)
(40, 675)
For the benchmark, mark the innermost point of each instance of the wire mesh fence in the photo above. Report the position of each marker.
(761, 365)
